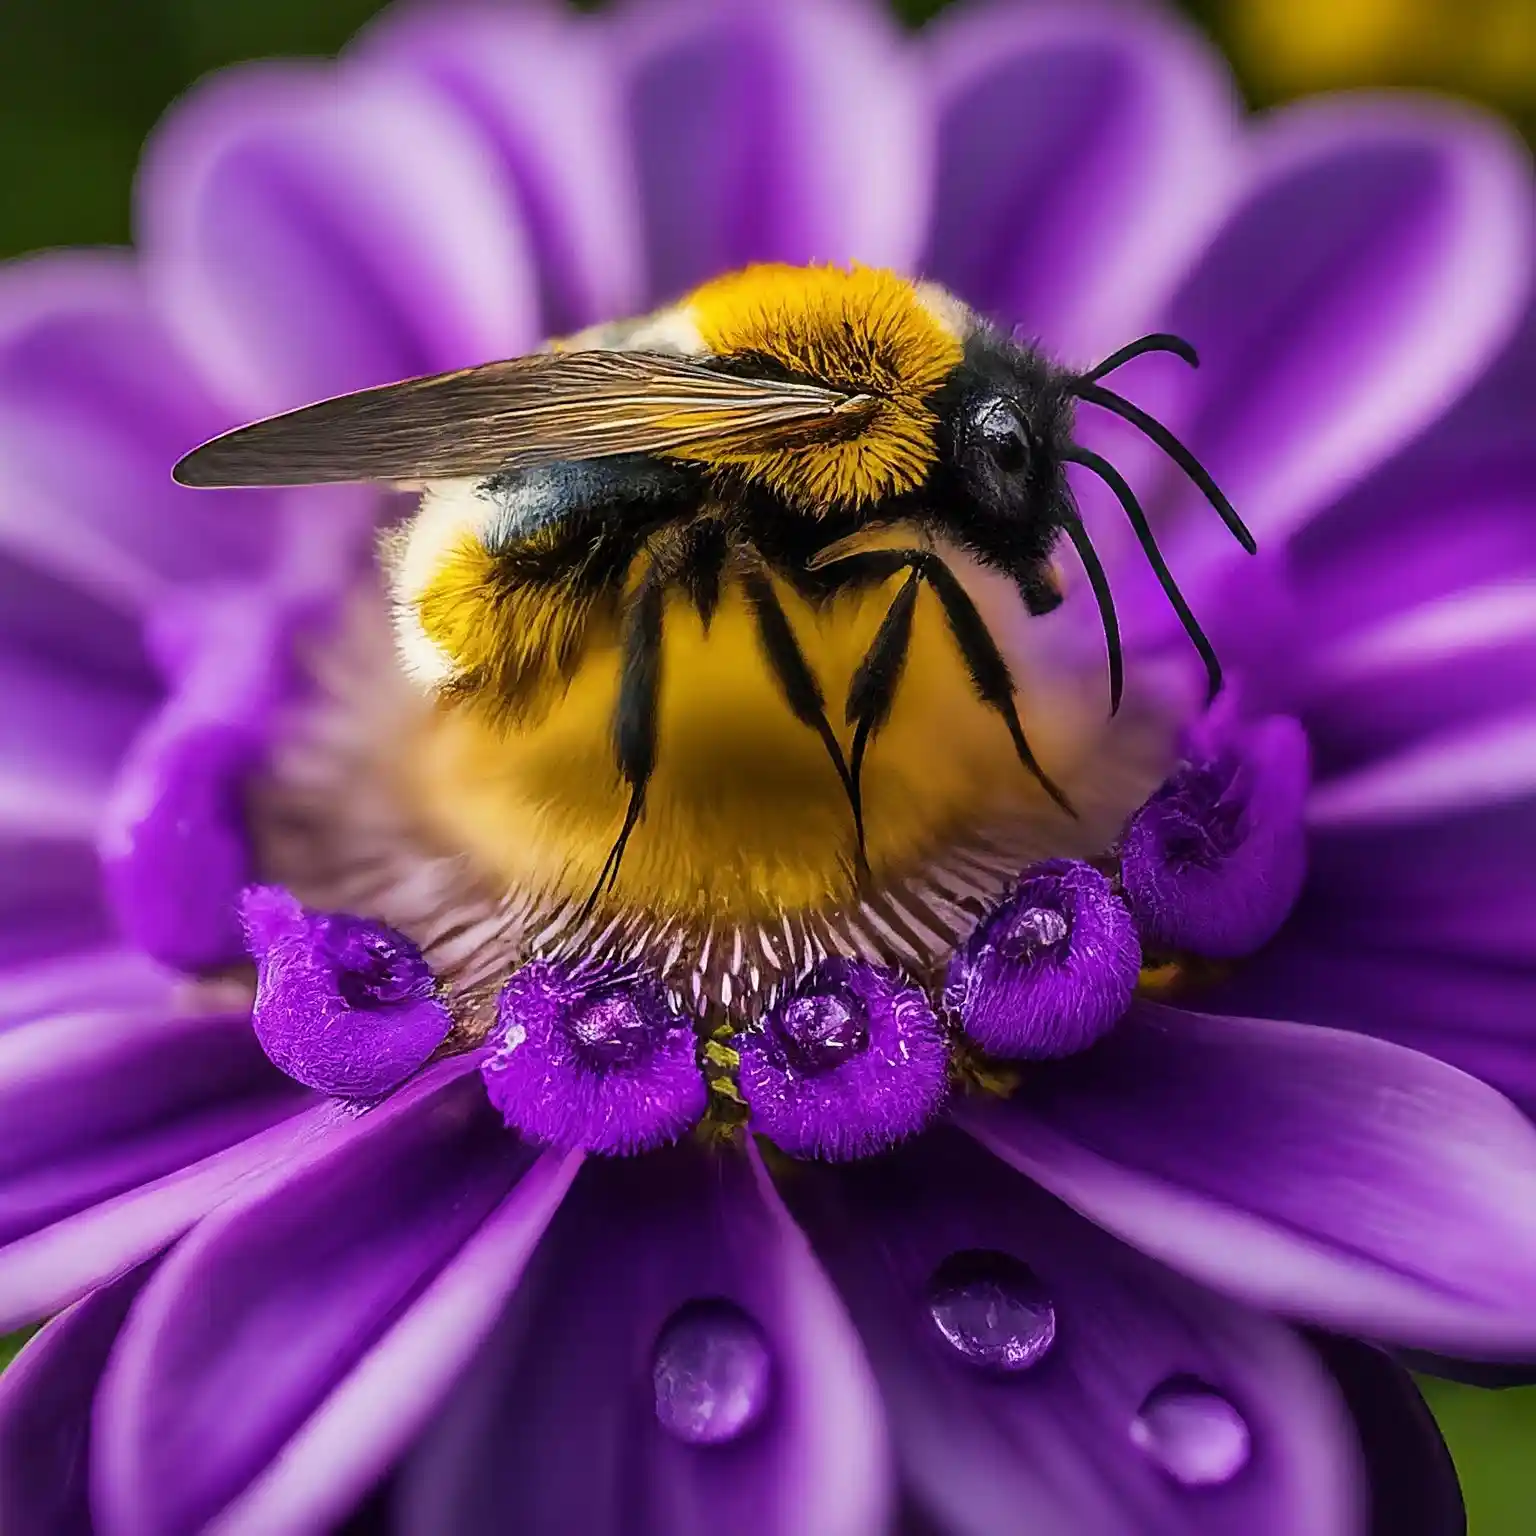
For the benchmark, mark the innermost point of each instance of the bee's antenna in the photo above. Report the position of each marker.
(1095, 394)
(1138, 519)
(1106, 600)
(1158, 341)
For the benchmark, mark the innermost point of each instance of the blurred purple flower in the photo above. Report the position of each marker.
(1080, 1333)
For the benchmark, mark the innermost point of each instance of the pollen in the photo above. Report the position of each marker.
(861, 329)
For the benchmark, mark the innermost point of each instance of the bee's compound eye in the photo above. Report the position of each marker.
(1002, 435)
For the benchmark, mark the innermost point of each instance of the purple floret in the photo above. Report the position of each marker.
(594, 1058)
(1214, 861)
(853, 1060)
(1050, 970)
(343, 1004)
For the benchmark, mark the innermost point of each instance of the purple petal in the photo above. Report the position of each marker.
(1050, 970)
(772, 130)
(347, 1294)
(555, 1426)
(50, 898)
(1082, 154)
(1463, 659)
(541, 91)
(366, 1422)
(104, 1102)
(1485, 763)
(1450, 510)
(174, 848)
(1414, 1491)
(45, 1414)
(1317, 1173)
(1461, 885)
(60, 741)
(53, 1267)
(1068, 1437)
(46, 616)
(1376, 261)
(311, 229)
(110, 978)
(1476, 1016)
(96, 402)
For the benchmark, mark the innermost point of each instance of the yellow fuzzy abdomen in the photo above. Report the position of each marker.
(746, 818)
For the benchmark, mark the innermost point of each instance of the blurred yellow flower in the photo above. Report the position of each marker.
(1480, 48)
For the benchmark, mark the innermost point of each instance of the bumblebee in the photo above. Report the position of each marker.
(811, 433)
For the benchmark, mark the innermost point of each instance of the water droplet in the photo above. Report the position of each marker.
(1193, 1433)
(611, 1030)
(712, 1372)
(376, 967)
(991, 1310)
(823, 1029)
(1034, 931)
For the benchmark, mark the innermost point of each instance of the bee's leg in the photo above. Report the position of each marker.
(797, 682)
(873, 689)
(634, 725)
(702, 548)
(990, 676)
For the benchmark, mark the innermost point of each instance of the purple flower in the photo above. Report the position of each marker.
(1075, 1302)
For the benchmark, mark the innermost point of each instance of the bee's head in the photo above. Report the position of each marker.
(1006, 417)
(1006, 421)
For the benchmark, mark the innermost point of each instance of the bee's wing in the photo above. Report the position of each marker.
(527, 410)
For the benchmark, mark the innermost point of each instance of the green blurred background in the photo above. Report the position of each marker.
(82, 81)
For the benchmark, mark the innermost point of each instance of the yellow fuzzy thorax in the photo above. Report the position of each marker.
(862, 329)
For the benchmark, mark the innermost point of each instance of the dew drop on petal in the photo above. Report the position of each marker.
(991, 1310)
(1193, 1433)
(712, 1372)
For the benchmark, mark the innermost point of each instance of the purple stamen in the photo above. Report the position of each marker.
(343, 1004)
(594, 1058)
(1050, 970)
(852, 1061)
(1214, 860)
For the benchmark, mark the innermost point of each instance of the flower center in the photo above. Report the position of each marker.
(440, 886)
(852, 1055)
(487, 836)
